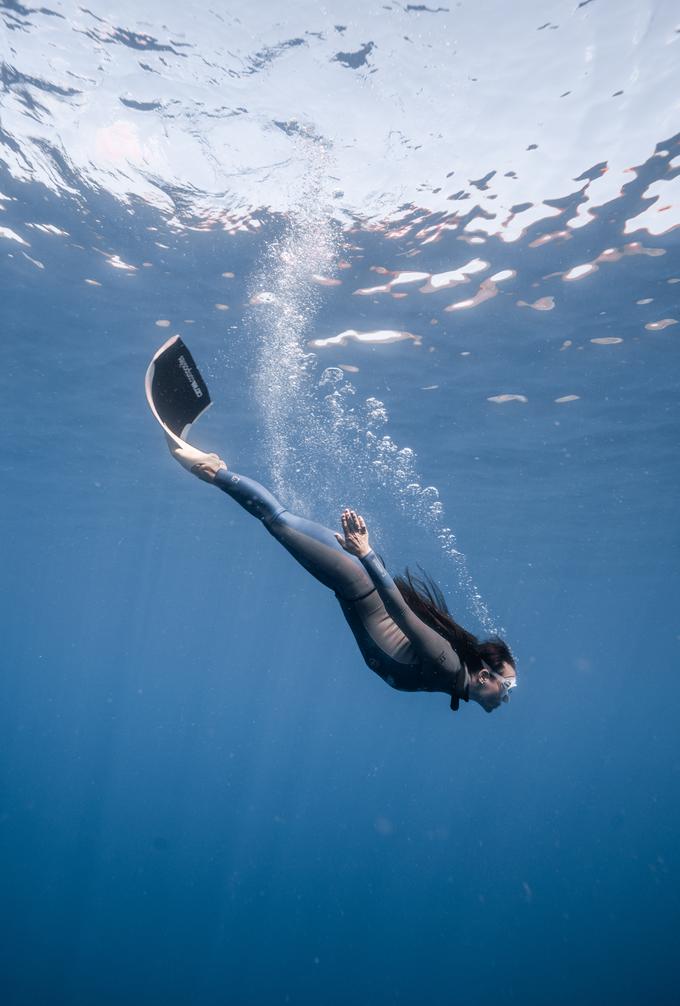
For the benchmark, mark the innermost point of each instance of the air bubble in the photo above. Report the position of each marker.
(331, 375)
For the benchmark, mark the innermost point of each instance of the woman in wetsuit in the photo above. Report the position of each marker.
(403, 629)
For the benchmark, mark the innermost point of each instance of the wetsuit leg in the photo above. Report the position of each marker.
(312, 545)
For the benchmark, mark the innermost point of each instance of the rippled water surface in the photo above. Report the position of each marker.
(427, 258)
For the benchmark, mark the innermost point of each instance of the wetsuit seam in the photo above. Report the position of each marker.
(269, 521)
(355, 600)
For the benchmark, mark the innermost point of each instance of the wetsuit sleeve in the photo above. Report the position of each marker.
(429, 644)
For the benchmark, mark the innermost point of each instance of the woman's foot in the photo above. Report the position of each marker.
(205, 466)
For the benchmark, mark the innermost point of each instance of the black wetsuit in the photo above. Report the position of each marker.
(394, 642)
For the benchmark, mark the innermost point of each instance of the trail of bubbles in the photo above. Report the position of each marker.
(309, 419)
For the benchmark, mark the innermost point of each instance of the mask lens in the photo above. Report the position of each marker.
(507, 684)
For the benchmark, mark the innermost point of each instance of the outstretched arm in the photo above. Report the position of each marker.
(429, 644)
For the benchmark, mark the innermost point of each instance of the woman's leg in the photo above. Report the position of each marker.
(312, 545)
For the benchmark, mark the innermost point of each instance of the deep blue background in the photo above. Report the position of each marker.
(206, 797)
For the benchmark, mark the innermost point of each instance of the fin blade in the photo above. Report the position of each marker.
(175, 389)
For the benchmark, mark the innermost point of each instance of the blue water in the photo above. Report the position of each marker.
(206, 797)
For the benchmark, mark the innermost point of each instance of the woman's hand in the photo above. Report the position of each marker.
(355, 540)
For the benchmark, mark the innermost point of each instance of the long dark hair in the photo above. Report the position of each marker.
(424, 597)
